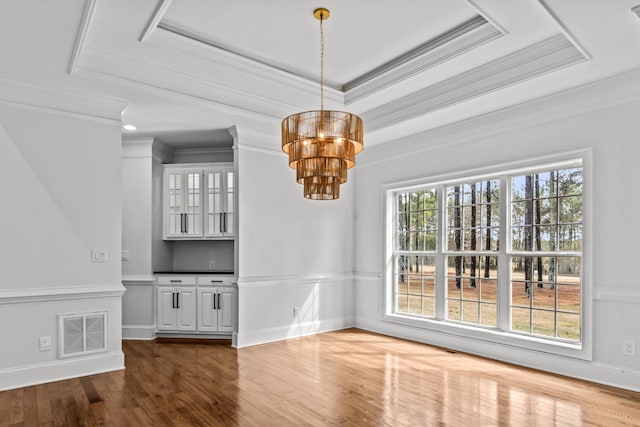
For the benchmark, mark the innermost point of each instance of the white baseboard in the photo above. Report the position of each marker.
(57, 370)
(295, 330)
(581, 369)
(138, 332)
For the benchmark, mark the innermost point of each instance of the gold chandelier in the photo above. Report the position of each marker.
(322, 144)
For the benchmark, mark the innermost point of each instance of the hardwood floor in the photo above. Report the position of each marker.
(350, 378)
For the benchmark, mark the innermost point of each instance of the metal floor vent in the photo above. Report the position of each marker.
(82, 333)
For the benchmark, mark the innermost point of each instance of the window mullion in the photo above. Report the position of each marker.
(441, 268)
(504, 269)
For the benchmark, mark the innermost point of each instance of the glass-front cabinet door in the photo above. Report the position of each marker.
(183, 203)
(220, 202)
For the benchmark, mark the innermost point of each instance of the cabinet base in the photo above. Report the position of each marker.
(196, 338)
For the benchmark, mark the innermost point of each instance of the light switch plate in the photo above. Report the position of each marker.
(125, 255)
(99, 255)
(45, 343)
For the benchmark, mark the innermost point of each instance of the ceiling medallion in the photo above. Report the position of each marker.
(322, 144)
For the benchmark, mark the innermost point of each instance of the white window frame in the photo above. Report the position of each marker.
(580, 350)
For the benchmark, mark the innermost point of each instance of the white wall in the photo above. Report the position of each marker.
(601, 117)
(137, 206)
(60, 166)
(161, 250)
(142, 234)
(292, 251)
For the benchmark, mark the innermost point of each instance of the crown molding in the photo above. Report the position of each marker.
(204, 151)
(98, 65)
(473, 4)
(256, 149)
(460, 39)
(157, 16)
(567, 33)
(612, 91)
(267, 139)
(70, 103)
(174, 95)
(81, 36)
(194, 44)
(137, 147)
(547, 55)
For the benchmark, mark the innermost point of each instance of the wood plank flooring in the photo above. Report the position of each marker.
(344, 378)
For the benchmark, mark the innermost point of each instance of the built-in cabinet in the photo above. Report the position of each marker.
(215, 309)
(176, 309)
(199, 201)
(195, 304)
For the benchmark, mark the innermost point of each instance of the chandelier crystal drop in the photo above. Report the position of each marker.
(322, 144)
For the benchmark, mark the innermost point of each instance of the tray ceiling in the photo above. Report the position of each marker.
(406, 67)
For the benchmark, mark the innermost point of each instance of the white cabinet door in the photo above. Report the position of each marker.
(166, 309)
(186, 309)
(230, 200)
(220, 202)
(182, 203)
(207, 314)
(215, 309)
(225, 310)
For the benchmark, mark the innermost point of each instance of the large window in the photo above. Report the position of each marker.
(499, 253)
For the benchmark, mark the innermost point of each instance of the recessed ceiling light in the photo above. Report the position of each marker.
(129, 127)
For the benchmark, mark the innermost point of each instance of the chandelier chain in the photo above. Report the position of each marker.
(321, 64)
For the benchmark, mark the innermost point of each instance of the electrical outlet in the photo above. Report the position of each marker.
(125, 255)
(99, 255)
(212, 264)
(45, 343)
(296, 311)
(629, 348)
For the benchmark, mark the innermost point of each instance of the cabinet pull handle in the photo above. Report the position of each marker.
(177, 299)
(216, 281)
(213, 301)
(218, 305)
(225, 223)
(186, 223)
(221, 221)
(173, 300)
(182, 223)
(175, 281)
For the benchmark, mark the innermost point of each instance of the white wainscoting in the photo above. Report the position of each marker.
(138, 308)
(266, 306)
(604, 369)
(28, 314)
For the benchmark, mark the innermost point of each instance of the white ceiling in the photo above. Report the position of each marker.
(359, 35)
(195, 66)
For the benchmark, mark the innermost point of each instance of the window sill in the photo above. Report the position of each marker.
(577, 351)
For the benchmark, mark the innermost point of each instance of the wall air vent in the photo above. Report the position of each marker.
(82, 333)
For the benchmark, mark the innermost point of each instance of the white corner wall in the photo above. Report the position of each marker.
(602, 118)
(60, 165)
(293, 252)
(141, 234)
